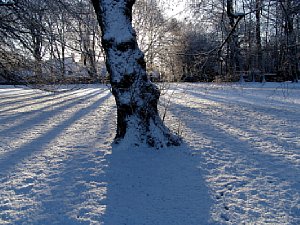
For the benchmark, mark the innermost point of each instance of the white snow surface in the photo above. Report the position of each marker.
(239, 164)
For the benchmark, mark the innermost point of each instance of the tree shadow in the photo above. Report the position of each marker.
(256, 121)
(146, 186)
(7, 95)
(16, 155)
(235, 167)
(41, 116)
(201, 123)
(218, 97)
(74, 192)
(38, 100)
(52, 175)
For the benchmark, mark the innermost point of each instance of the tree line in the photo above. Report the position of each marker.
(253, 39)
(40, 35)
(218, 40)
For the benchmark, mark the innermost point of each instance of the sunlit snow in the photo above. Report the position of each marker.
(239, 164)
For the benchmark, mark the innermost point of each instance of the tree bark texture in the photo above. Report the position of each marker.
(136, 97)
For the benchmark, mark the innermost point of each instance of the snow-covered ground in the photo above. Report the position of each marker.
(240, 163)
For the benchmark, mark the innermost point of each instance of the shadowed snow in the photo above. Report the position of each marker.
(240, 162)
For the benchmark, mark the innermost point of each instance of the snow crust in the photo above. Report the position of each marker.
(240, 163)
(118, 31)
(117, 28)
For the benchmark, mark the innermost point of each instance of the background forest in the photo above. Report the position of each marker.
(45, 41)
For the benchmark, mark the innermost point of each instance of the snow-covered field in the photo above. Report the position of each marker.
(240, 163)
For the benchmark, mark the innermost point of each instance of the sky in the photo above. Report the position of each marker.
(174, 9)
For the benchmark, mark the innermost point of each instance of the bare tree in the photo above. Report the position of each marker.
(22, 31)
(88, 33)
(258, 5)
(290, 10)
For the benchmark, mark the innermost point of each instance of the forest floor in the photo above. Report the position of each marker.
(239, 163)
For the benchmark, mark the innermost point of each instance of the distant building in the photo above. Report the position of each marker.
(64, 71)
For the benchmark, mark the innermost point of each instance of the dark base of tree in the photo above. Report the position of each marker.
(140, 123)
(156, 135)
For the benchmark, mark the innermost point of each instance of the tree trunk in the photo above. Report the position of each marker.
(291, 41)
(231, 40)
(37, 53)
(233, 46)
(258, 40)
(136, 97)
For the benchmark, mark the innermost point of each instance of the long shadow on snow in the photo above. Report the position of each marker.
(19, 154)
(219, 97)
(41, 116)
(265, 109)
(242, 91)
(79, 188)
(14, 95)
(41, 100)
(238, 154)
(17, 98)
(262, 160)
(289, 129)
(162, 187)
(34, 113)
(210, 128)
(275, 113)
